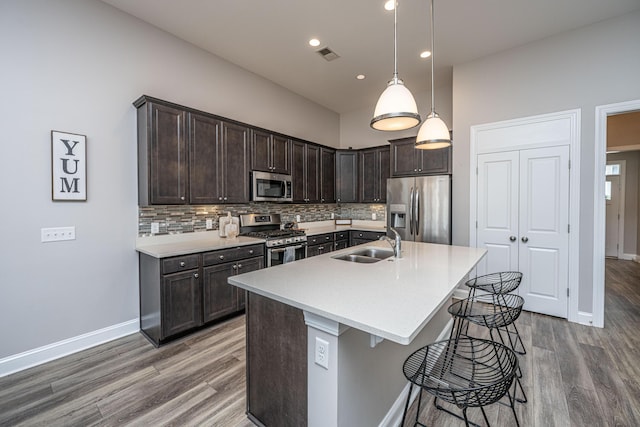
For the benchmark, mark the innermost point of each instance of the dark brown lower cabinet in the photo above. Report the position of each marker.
(220, 298)
(181, 302)
(276, 363)
(360, 237)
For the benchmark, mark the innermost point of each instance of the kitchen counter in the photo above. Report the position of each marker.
(169, 245)
(348, 327)
(392, 299)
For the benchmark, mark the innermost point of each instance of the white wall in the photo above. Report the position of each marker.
(583, 68)
(76, 66)
(356, 132)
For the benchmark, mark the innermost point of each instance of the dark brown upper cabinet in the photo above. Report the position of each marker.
(305, 172)
(346, 176)
(234, 164)
(270, 152)
(406, 160)
(373, 167)
(327, 175)
(162, 154)
(204, 153)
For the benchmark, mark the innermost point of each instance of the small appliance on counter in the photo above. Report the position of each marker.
(282, 246)
(229, 226)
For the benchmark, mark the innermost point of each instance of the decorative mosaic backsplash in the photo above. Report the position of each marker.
(187, 218)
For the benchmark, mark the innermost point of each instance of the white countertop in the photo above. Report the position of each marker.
(169, 245)
(393, 298)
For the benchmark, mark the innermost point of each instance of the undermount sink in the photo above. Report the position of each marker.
(365, 256)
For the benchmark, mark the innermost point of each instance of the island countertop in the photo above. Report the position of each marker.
(393, 298)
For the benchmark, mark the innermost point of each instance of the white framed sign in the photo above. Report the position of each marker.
(68, 166)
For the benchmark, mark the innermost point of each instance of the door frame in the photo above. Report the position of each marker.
(599, 206)
(566, 121)
(621, 205)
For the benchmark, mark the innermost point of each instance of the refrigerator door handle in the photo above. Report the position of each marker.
(411, 212)
(417, 214)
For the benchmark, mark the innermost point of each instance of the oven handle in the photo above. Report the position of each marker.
(282, 249)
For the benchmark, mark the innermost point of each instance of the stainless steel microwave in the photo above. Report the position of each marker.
(270, 187)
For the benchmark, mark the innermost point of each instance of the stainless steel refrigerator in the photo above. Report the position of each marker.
(419, 208)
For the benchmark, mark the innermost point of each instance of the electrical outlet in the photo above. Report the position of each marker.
(332, 215)
(155, 227)
(209, 224)
(322, 353)
(57, 234)
(374, 216)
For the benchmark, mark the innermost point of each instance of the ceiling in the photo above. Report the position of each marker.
(270, 38)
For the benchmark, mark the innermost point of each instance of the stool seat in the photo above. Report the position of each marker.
(491, 310)
(465, 371)
(496, 283)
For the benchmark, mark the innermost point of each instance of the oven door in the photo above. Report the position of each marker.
(270, 187)
(286, 254)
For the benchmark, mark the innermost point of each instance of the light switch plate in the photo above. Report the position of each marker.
(56, 234)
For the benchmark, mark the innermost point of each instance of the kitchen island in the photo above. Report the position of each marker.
(326, 338)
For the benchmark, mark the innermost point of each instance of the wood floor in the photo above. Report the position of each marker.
(573, 375)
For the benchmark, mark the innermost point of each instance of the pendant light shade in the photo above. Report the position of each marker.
(396, 108)
(434, 132)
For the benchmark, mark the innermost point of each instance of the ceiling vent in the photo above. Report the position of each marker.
(327, 54)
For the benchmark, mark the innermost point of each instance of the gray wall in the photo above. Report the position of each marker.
(591, 66)
(632, 192)
(76, 66)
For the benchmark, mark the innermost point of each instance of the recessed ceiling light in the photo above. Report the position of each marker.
(425, 54)
(389, 4)
(361, 77)
(314, 42)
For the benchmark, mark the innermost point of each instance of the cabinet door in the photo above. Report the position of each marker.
(167, 156)
(281, 154)
(220, 298)
(246, 266)
(404, 160)
(312, 173)
(367, 173)
(327, 175)
(203, 159)
(235, 158)
(433, 162)
(261, 151)
(181, 302)
(298, 171)
(383, 171)
(346, 176)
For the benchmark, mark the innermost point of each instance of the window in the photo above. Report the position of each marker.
(607, 190)
(613, 169)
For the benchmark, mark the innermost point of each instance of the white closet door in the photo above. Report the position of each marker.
(498, 211)
(543, 229)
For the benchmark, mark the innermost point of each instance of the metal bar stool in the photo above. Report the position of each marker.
(492, 311)
(500, 283)
(466, 372)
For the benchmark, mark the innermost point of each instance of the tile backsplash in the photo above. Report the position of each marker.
(188, 218)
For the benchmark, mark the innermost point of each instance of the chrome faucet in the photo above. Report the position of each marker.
(395, 244)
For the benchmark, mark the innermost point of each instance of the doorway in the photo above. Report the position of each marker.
(603, 112)
(614, 195)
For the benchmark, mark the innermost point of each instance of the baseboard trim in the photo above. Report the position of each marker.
(629, 257)
(585, 318)
(47, 353)
(394, 415)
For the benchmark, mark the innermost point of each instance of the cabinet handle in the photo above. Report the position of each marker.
(360, 235)
(221, 257)
(512, 238)
(239, 265)
(235, 267)
(196, 275)
(220, 198)
(525, 239)
(182, 198)
(225, 198)
(182, 264)
(338, 199)
(251, 252)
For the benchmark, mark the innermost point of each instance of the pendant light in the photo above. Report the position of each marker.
(434, 132)
(396, 109)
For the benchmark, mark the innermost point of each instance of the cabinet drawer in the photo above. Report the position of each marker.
(341, 235)
(319, 249)
(179, 263)
(367, 235)
(233, 254)
(320, 238)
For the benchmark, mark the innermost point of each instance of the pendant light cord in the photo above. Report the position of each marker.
(395, 42)
(433, 102)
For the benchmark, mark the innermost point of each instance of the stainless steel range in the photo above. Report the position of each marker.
(283, 246)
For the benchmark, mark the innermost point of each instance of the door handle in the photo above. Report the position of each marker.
(411, 211)
(525, 239)
(513, 238)
(417, 216)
